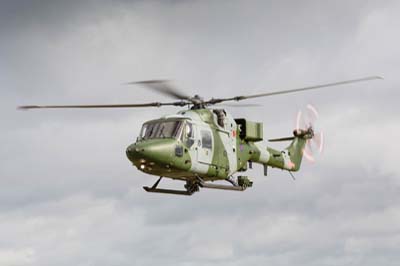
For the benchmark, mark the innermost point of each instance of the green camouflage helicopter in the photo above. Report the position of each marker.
(199, 145)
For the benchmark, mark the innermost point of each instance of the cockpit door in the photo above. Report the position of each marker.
(205, 145)
(199, 141)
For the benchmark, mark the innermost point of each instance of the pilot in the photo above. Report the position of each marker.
(220, 117)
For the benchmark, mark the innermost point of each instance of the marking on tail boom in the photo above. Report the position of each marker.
(264, 154)
(288, 164)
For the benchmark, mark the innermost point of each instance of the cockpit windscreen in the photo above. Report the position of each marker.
(159, 130)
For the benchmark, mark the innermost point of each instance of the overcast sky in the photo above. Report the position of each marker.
(69, 196)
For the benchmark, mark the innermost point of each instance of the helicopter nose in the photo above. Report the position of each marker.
(156, 151)
(132, 152)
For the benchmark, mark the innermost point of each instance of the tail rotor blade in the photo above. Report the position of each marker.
(298, 119)
(307, 154)
(313, 110)
(309, 147)
(319, 141)
(312, 115)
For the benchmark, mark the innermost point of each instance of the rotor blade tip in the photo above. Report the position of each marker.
(25, 107)
(144, 82)
(376, 77)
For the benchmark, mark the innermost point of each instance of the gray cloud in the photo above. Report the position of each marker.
(69, 196)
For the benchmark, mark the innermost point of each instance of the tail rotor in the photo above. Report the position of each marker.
(307, 126)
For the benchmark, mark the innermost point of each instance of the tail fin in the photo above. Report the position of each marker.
(295, 152)
(291, 157)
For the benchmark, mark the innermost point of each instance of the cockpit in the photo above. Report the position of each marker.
(162, 129)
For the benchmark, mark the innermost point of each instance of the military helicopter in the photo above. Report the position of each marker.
(199, 145)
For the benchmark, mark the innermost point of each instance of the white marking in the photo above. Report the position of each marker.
(264, 154)
(287, 163)
(229, 143)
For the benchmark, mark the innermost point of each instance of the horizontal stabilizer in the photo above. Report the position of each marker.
(281, 139)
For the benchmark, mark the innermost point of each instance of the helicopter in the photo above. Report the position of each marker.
(200, 144)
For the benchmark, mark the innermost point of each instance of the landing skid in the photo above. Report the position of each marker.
(168, 191)
(192, 187)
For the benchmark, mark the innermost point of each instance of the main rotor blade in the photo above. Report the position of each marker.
(239, 105)
(162, 86)
(244, 97)
(154, 104)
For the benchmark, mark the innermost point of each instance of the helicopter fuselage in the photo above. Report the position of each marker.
(206, 143)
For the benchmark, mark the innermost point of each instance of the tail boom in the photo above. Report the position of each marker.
(287, 159)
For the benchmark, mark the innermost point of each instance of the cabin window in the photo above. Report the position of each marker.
(159, 130)
(206, 139)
